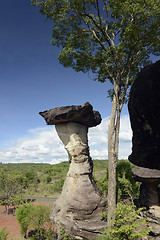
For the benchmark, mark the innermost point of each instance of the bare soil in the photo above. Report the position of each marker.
(10, 222)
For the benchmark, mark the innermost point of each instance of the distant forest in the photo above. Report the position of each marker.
(42, 179)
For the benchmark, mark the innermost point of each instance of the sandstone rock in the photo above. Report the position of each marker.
(149, 191)
(155, 213)
(82, 114)
(152, 216)
(80, 205)
(146, 175)
(144, 110)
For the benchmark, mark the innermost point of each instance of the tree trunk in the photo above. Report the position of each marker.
(111, 165)
(7, 209)
(113, 142)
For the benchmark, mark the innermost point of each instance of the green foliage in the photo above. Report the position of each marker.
(58, 185)
(113, 38)
(11, 190)
(100, 174)
(127, 186)
(39, 216)
(64, 235)
(32, 217)
(43, 234)
(102, 184)
(51, 178)
(23, 217)
(3, 234)
(37, 179)
(127, 224)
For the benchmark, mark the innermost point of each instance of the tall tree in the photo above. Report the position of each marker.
(11, 190)
(111, 38)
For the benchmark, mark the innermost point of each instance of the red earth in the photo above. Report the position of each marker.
(10, 222)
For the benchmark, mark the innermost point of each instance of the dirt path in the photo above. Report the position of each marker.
(10, 222)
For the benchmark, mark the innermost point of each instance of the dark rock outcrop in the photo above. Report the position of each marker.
(144, 110)
(81, 114)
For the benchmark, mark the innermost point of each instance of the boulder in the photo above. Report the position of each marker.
(144, 110)
(81, 114)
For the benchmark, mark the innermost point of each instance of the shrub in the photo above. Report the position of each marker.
(127, 224)
(64, 235)
(102, 184)
(42, 234)
(3, 234)
(32, 217)
(23, 216)
(48, 179)
(127, 186)
(58, 185)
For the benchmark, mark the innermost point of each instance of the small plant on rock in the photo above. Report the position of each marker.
(64, 235)
(128, 225)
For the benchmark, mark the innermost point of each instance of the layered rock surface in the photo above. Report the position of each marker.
(76, 113)
(80, 204)
(149, 190)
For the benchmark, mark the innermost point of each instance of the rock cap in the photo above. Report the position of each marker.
(83, 114)
(142, 174)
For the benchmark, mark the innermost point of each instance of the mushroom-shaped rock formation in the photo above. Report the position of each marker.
(83, 114)
(144, 110)
(80, 204)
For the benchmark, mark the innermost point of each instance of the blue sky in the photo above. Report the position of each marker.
(32, 80)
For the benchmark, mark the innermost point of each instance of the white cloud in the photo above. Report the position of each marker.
(41, 145)
(98, 139)
(125, 129)
(44, 145)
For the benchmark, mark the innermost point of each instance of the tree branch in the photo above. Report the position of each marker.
(123, 94)
(98, 12)
(106, 7)
(118, 31)
(109, 73)
(96, 37)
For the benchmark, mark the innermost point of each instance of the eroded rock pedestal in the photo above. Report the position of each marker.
(80, 204)
(149, 190)
(144, 110)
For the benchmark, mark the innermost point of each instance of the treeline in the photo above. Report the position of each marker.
(40, 180)
(36, 179)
